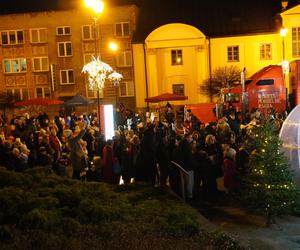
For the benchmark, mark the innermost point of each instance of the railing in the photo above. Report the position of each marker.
(183, 173)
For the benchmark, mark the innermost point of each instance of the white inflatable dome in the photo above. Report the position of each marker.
(290, 137)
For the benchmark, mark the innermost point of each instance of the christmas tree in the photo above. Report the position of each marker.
(269, 182)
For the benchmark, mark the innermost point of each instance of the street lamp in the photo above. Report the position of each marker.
(97, 7)
(113, 46)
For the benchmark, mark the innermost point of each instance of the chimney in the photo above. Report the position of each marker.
(284, 4)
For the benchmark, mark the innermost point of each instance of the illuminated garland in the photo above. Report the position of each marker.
(98, 72)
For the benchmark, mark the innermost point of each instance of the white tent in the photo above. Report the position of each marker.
(290, 137)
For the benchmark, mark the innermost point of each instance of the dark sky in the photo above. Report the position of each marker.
(11, 6)
(8, 6)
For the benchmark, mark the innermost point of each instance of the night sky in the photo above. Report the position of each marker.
(214, 17)
(10, 6)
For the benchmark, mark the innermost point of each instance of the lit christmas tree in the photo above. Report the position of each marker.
(269, 183)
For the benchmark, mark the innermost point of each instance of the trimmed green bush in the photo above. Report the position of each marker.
(43, 211)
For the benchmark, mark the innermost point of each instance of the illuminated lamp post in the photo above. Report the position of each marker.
(97, 7)
(114, 47)
(285, 64)
(98, 72)
(283, 32)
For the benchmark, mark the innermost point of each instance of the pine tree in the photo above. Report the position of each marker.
(269, 182)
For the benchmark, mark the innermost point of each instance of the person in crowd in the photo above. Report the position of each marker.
(77, 154)
(107, 162)
(178, 158)
(55, 144)
(231, 182)
(202, 171)
(188, 163)
(234, 123)
(90, 142)
(59, 126)
(214, 152)
(163, 159)
(146, 169)
(16, 164)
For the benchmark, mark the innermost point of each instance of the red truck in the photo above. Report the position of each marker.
(264, 90)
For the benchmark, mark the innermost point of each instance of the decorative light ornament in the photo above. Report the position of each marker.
(98, 72)
(115, 77)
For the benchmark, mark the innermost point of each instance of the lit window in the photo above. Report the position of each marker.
(66, 77)
(122, 29)
(124, 59)
(178, 89)
(233, 53)
(126, 89)
(42, 92)
(176, 57)
(64, 49)
(17, 65)
(63, 30)
(265, 51)
(40, 64)
(87, 32)
(38, 35)
(296, 41)
(12, 37)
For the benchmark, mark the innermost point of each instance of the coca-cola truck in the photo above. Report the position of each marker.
(264, 90)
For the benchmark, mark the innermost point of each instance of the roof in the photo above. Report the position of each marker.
(214, 18)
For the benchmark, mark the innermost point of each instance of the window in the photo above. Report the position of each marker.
(87, 32)
(67, 76)
(20, 94)
(87, 58)
(265, 82)
(124, 59)
(64, 49)
(42, 92)
(63, 30)
(17, 65)
(126, 89)
(40, 64)
(12, 37)
(296, 41)
(178, 89)
(122, 29)
(265, 51)
(176, 57)
(233, 53)
(38, 35)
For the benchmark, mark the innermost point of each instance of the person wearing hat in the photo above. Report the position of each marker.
(77, 154)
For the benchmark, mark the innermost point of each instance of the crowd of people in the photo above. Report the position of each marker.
(144, 148)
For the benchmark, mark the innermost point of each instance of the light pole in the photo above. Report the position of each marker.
(114, 47)
(98, 72)
(283, 32)
(97, 7)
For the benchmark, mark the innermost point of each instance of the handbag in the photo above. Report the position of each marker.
(116, 166)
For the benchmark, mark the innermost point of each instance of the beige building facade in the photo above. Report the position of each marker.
(178, 58)
(42, 53)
